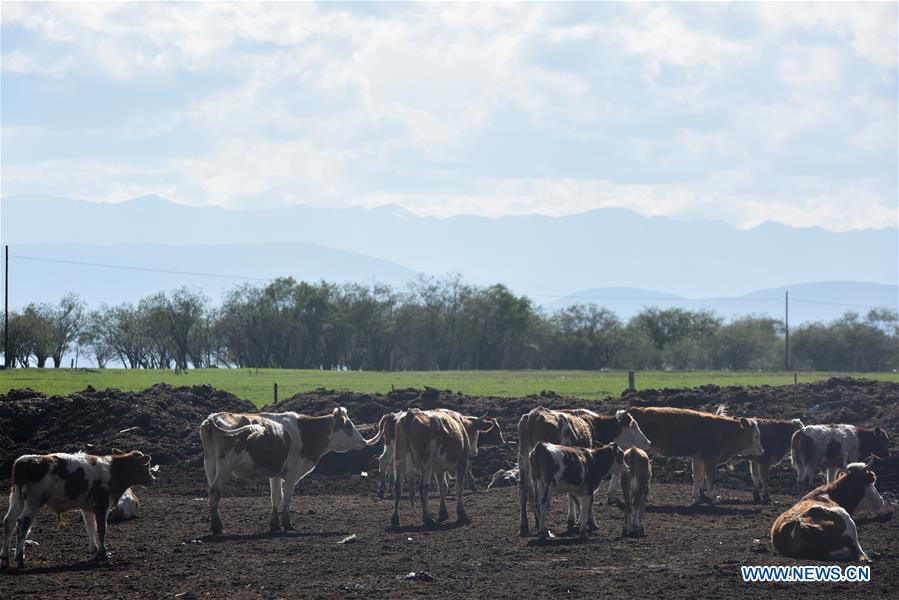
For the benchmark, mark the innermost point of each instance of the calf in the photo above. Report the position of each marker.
(831, 447)
(578, 427)
(126, 508)
(635, 488)
(433, 443)
(280, 447)
(575, 470)
(91, 484)
(820, 525)
(776, 435)
(504, 478)
(707, 439)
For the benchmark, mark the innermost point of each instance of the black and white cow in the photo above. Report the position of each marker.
(91, 484)
(280, 447)
(831, 448)
(575, 470)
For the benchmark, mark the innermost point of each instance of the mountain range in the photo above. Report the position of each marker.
(614, 257)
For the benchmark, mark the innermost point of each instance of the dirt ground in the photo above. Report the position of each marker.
(167, 551)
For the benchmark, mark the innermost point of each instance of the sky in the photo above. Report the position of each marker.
(738, 112)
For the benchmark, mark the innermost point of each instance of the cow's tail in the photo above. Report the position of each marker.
(249, 429)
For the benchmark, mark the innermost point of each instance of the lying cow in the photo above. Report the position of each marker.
(128, 507)
(387, 433)
(635, 488)
(575, 470)
(578, 427)
(504, 478)
(280, 447)
(434, 443)
(776, 436)
(707, 439)
(820, 525)
(832, 447)
(91, 484)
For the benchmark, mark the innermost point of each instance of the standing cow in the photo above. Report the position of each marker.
(820, 525)
(435, 443)
(707, 439)
(280, 447)
(575, 470)
(776, 437)
(635, 489)
(91, 484)
(576, 427)
(832, 447)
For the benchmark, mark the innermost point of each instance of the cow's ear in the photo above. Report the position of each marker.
(117, 452)
(881, 433)
(744, 422)
(154, 469)
(870, 477)
(145, 459)
(623, 417)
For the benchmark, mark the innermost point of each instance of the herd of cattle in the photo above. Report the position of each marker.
(569, 451)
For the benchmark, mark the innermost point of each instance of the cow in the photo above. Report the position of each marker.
(576, 427)
(635, 489)
(281, 447)
(820, 525)
(85, 482)
(776, 437)
(387, 432)
(504, 478)
(831, 447)
(575, 470)
(435, 442)
(707, 439)
(127, 508)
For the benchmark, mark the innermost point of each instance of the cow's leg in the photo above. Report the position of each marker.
(628, 509)
(614, 482)
(288, 488)
(443, 487)
(10, 524)
(90, 524)
(222, 476)
(383, 465)
(591, 516)
(209, 463)
(100, 515)
(26, 519)
(525, 486)
(399, 476)
(573, 510)
(698, 479)
(586, 500)
(424, 487)
(277, 492)
(461, 468)
(470, 480)
(640, 514)
(710, 468)
(544, 500)
(764, 473)
(755, 470)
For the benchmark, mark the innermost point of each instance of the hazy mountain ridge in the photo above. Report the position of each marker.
(547, 258)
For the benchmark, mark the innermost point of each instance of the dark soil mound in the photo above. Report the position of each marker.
(161, 420)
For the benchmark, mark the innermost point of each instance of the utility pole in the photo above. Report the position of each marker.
(787, 330)
(6, 310)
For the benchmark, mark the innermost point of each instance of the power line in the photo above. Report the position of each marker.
(145, 269)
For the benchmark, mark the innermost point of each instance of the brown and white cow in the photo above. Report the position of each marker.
(280, 447)
(435, 443)
(776, 436)
(707, 439)
(127, 508)
(820, 525)
(91, 484)
(575, 470)
(504, 478)
(576, 427)
(832, 447)
(635, 489)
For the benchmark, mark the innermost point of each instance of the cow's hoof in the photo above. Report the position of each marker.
(380, 494)
(4, 563)
(289, 527)
(394, 522)
(592, 526)
(463, 519)
(20, 563)
(524, 531)
(442, 516)
(570, 527)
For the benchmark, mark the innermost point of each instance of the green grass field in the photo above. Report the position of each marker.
(258, 386)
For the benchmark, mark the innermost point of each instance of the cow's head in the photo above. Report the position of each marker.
(631, 436)
(344, 435)
(755, 446)
(475, 426)
(133, 468)
(880, 443)
(619, 465)
(861, 479)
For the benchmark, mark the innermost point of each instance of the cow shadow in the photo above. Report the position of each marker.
(263, 535)
(421, 528)
(704, 509)
(78, 567)
(559, 540)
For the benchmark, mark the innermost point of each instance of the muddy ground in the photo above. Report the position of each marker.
(167, 553)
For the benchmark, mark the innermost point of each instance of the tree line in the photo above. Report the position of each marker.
(433, 324)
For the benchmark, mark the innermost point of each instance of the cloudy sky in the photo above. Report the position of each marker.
(744, 113)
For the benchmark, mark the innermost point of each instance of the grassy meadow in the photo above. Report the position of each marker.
(257, 386)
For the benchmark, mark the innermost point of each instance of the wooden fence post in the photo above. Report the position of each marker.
(276, 393)
(631, 381)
